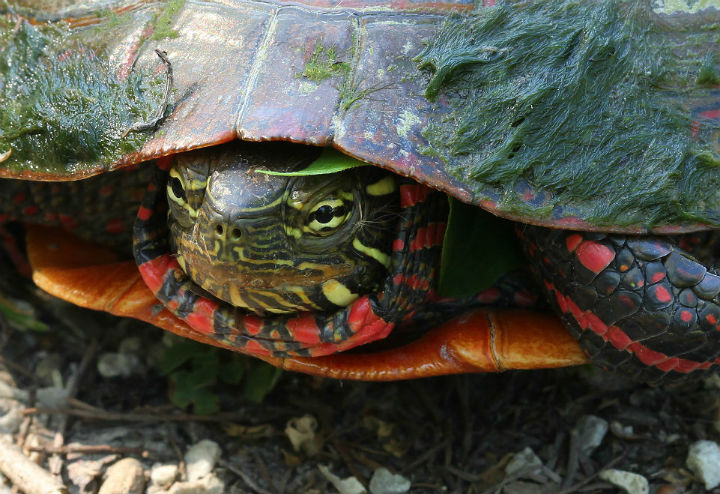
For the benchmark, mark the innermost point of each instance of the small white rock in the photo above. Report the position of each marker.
(524, 461)
(118, 364)
(124, 476)
(52, 397)
(162, 475)
(210, 484)
(200, 459)
(383, 481)
(349, 485)
(630, 482)
(704, 460)
(590, 432)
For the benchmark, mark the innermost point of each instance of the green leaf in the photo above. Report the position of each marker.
(478, 248)
(330, 161)
(20, 315)
(261, 379)
(232, 372)
(179, 353)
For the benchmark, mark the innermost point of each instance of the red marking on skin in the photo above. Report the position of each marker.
(410, 195)
(253, 324)
(105, 190)
(115, 225)
(398, 245)
(620, 340)
(489, 296)
(524, 299)
(67, 221)
(144, 213)
(594, 256)
(572, 241)
(254, 348)
(19, 198)
(30, 210)
(711, 319)
(152, 187)
(153, 271)
(686, 316)
(165, 163)
(304, 329)
(662, 294)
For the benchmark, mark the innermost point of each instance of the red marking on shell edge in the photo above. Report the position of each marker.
(31, 210)
(144, 213)
(398, 245)
(618, 338)
(594, 256)
(202, 317)
(358, 311)
(304, 329)
(711, 319)
(572, 241)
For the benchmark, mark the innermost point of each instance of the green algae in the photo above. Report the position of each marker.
(324, 63)
(63, 107)
(166, 19)
(597, 105)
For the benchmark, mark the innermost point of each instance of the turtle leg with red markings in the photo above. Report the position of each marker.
(641, 305)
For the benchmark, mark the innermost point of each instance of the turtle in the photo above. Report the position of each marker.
(538, 113)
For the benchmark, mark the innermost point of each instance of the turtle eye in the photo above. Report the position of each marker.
(175, 186)
(327, 216)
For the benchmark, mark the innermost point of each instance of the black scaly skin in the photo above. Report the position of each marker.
(101, 208)
(652, 296)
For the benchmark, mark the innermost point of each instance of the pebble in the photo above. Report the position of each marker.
(349, 485)
(590, 431)
(162, 475)
(200, 459)
(112, 364)
(53, 397)
(383, 481)
(124, 476)
(704, 460)
(524, 461)
(209, 484)
(630, 482)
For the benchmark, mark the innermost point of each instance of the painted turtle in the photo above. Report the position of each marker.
(599, 119)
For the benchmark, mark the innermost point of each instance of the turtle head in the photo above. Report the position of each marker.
(277, 243)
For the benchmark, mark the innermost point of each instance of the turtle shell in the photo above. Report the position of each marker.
(387, 82)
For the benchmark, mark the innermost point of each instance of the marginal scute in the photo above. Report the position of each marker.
(648, 250)
(682, 271)
(709, 287)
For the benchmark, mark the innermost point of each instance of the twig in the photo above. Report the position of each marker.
(25, 474)
(91, 449)
(100, 414)
(586, 480)
(160, 114)
(245, 477)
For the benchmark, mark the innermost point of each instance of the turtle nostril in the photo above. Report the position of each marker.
(219, 229)
(236, 234)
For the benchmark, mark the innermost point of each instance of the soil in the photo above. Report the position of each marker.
(449, 434)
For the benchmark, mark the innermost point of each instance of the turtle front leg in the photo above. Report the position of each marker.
(639, 305)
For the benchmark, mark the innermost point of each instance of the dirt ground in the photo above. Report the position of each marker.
(450, 434)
